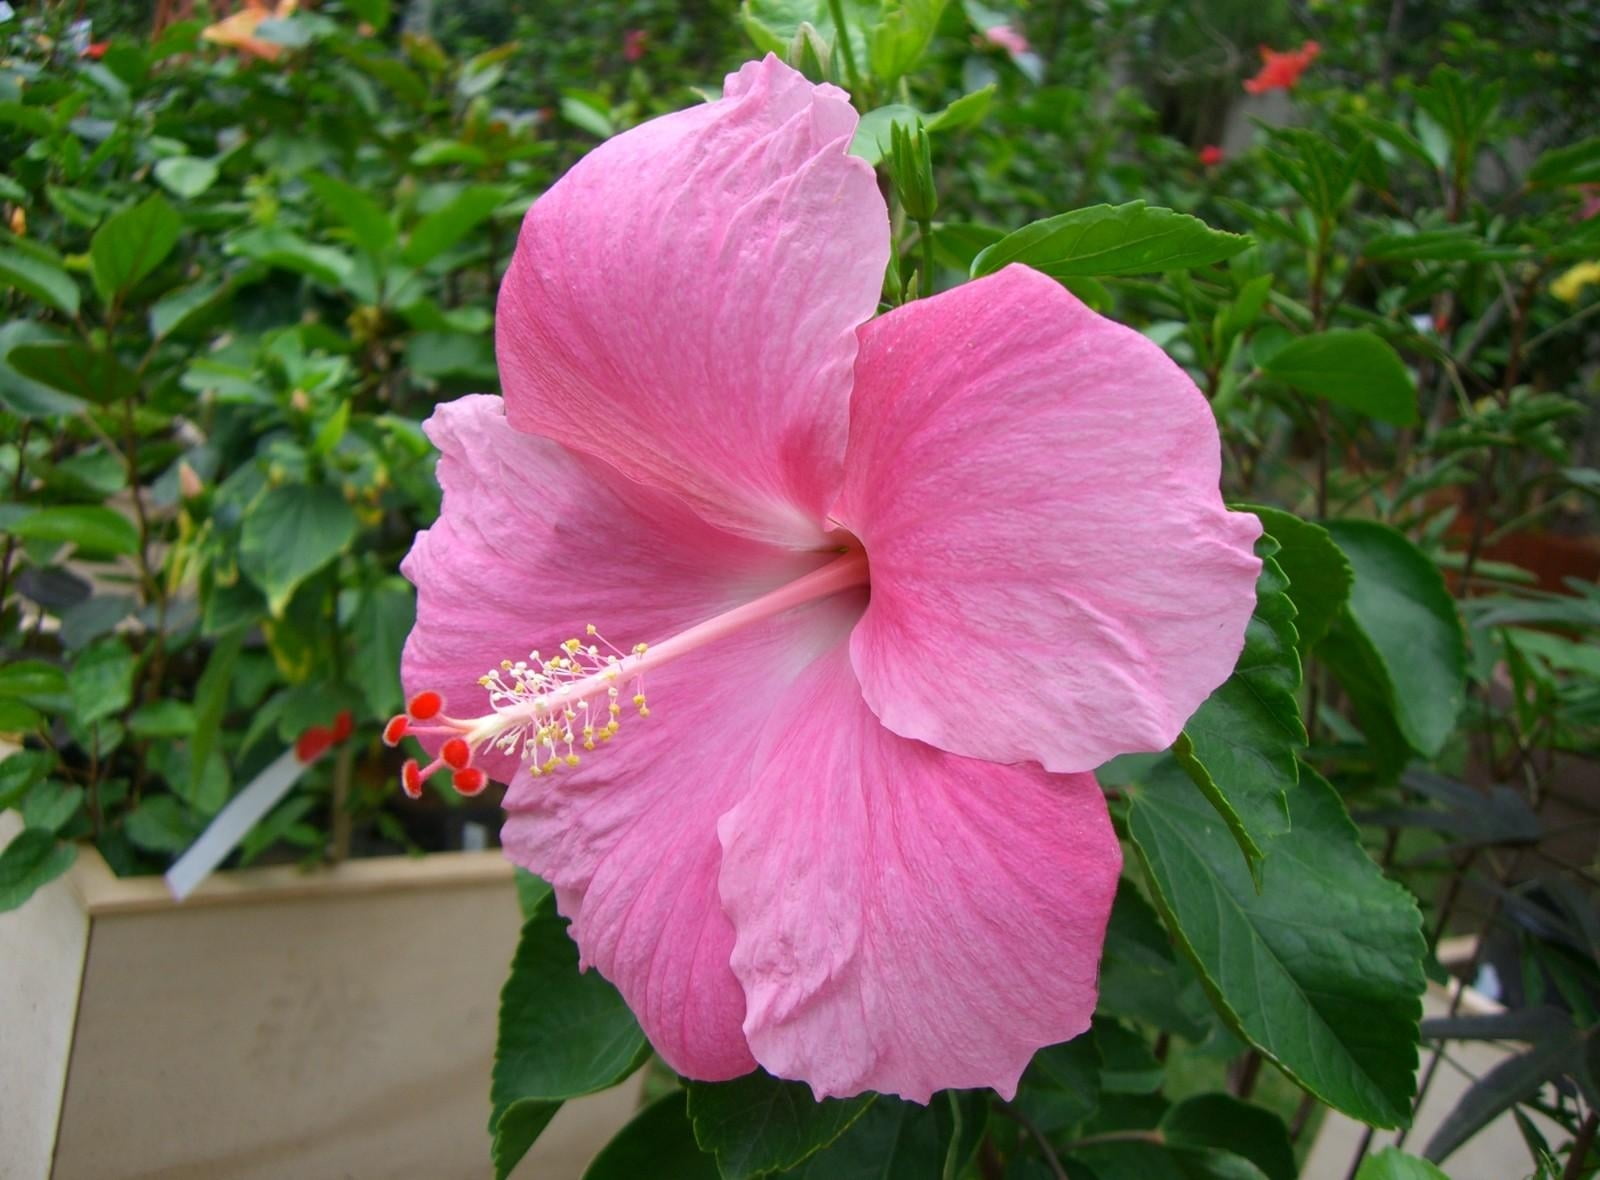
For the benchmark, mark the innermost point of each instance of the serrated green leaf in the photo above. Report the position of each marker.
(290, 534)
(1319, 573)
(1104, 240)
(898, 1140)
(33, 859)
(1321, 969)
(21, 394)
(1349, 368)
(758, 1123)
(1223, 1122)
(275, 246)
(382, 621)
(175, 310)
(162, 719)
(1242, 745)
(38, 279)
(131, 244)
(1400, 605)
(659, 1142)
(562, 1033)
(19, 772)
(52, 805)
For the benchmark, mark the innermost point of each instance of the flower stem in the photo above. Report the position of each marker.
(836, 10)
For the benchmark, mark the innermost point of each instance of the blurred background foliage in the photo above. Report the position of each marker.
(237, 273)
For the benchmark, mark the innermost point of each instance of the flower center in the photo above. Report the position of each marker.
(544, 709)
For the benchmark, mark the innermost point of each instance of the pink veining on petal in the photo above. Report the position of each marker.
(908, 920)
(1054, 575)
(683, 303)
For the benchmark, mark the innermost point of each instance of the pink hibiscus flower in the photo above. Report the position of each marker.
(1007, 38)
(904, 582)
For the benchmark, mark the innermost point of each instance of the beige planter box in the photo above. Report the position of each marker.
(322, 1025)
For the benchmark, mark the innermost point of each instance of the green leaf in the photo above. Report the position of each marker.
(162, 719)
(184, 306)
(161, 824)
(443, 228)
(19, 772)
(1393, 1164)
(1222, 1121)
(871, 142)
(1456, 243)
(52, 805)
(96, 376)
(1319, 573)
(1103, 240)
(39, 279)
(210, 704)
(186, 176)
(368, 222)
(515, 1130)
(1399, 604)
(897, 1140)
(758, 1124)
(275, 246)
(1322, 968)
(131, 244)
(586, 116)
(1061, 1086)
(20, 394)
(897, 42)
(33, 681)
(91, 528)
(562, 1033)
(1573, 163)
(101, 681)
(1142, 980)
(290, 534)
(659, 1142)
(1241, 746)
(31, 860)
(1349, 368)
(382, 622)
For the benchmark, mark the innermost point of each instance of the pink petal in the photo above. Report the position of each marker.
(1054, 577)
(683, 303)
(534, 543)
(909, 920)
(630, 836)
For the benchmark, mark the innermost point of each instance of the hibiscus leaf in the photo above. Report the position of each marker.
(33, 859)
(758, 1124)
(1321, 969)
(1400, 636)
(659, 1141)
(1318, 571)
(131, 244)
(292, 533)
(563, 1033)
(1349, 368)
(1131, 239)
(1240, 747)
(898, 1140)
(1393, 1164)
(1223, 1122)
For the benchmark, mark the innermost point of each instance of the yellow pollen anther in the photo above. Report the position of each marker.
(590, 630)
(572, 760)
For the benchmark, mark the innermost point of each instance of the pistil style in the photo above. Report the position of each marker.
(545, 708)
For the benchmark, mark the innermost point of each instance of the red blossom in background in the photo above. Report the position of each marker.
(1591, 201)
(1210, 156)
(95, 50)
(634, 44)
(1280, 70)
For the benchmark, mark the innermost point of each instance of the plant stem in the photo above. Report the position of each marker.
(16, 495)
(1580, 1147)
(836, 10)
